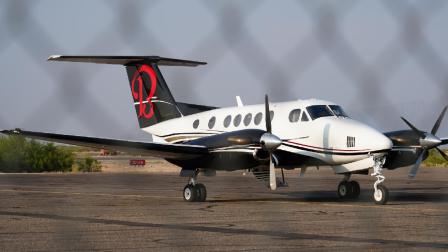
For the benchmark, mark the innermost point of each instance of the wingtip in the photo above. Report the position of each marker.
(53, 57)
(13, 131)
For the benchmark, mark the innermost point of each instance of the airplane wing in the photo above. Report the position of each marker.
(172, 151)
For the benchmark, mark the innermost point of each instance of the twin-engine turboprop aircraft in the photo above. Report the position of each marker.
(260, 138)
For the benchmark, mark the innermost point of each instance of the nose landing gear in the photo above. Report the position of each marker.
(381, 194)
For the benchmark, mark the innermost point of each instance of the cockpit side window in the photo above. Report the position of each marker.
(338, 111)
(304, 117)
(317, 111)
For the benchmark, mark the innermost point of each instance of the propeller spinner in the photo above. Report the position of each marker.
(427, 141)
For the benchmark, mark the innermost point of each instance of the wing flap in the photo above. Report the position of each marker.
(171, 151)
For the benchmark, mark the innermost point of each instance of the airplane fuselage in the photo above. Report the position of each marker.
(335, 140)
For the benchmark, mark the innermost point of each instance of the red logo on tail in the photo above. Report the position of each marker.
(143, 104)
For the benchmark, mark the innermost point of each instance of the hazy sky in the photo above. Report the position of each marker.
(378, 59)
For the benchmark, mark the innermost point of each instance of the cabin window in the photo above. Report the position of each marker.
(271, 113)
(304, 117)
(211, 122)
(237, 120)
(227, 121)
(258, 118)
(247, 119)
(294, 115)
(196, 123)
(318, 111)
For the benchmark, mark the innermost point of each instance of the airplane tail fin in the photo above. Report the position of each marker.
(152, 98)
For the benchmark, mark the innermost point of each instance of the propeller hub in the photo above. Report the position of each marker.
(270, 142)
(430, 141)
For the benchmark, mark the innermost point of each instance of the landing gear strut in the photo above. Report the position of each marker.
(348, 189)
(381, 194)
(195, 191)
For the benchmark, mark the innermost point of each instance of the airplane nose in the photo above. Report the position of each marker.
(378, 141)
(384, 143)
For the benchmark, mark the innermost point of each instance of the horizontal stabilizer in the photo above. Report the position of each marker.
(170, 151)
(127, 60)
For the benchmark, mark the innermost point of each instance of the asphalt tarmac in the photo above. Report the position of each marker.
(146, 212)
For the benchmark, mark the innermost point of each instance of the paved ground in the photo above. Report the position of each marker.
(131, 211)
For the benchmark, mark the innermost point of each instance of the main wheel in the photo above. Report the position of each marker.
(190, 193)
(381, 196)
(344, 190)
(201, 192)
(355, 189)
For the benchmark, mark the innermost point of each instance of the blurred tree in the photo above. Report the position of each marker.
(435, 159)
(89, 165)
(12, 154)
(19, 155)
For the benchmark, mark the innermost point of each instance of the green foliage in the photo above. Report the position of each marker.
(88, 164)
(435, 159)
(20, 155)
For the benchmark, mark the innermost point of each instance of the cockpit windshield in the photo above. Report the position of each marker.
(338, 111)
(317, 111)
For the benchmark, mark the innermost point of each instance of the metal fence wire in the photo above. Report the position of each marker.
(370, 83)
(379, 59)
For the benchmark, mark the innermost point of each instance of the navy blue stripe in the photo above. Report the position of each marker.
(334, 152)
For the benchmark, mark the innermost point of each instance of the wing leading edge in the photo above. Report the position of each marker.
(171, 151)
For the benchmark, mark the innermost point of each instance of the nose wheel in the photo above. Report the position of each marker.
(381, 193)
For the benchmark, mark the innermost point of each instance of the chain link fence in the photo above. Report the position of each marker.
(379, 59)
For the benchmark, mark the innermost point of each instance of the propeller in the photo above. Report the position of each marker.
(427, 141)
(270, 143)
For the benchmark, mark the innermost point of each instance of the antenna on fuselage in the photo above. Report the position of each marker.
(239, 102)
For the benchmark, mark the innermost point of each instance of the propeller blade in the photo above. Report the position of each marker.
(414, 169)
(417, 131)
(272, 178)
(444, 155)
(444, 141)
(268, 114)
(439, 120)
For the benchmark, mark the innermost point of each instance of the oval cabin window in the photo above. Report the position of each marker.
(258, 118)
(196, 123)
(227, 121)
(294, 115)
(211, 122)
(237, 120)
(247, 119)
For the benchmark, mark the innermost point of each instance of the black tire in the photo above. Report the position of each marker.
(382, 196)
(190, 193)
(355, 189)
(344, 190)
(201, 192)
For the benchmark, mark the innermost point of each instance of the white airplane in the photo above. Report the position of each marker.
(259, 138)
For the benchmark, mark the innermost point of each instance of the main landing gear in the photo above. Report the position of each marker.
(381, 194)
(195, 192)
(348, 189)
